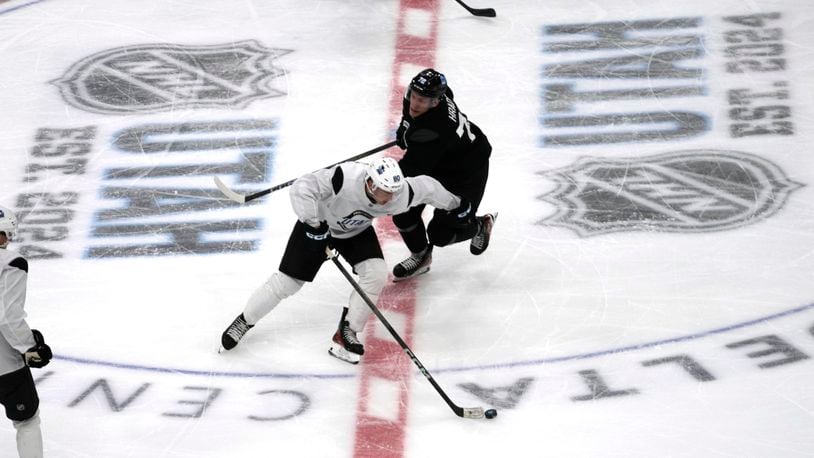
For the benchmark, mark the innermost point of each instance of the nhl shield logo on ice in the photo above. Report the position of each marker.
(166, 77)
(682, 191)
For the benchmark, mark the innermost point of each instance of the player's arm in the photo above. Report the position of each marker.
(13, 326)
(428, 190)
(309, 190)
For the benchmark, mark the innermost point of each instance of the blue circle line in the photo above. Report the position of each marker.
(17, 7)
(612, 351)
(534, 362)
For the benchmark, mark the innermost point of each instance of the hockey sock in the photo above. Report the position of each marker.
(372, 278)
(278, 287)
(29, 437)
(415, 237)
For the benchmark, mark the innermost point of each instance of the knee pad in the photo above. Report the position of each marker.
(409, 220)
(440, 234)
(278, 287)
(372, 275)
(30, 423)
(283, 285)
(404, 222)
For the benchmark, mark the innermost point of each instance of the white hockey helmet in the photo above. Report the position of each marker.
(385, 174)
(8, 223)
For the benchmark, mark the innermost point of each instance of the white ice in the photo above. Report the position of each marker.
(522, 328)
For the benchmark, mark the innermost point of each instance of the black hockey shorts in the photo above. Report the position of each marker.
(301, 262)
(19, 395)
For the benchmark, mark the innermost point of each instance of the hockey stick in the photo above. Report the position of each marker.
(480, 12)
(464, 412)
(243, 198)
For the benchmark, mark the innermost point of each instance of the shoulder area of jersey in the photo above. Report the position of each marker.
(10, 257)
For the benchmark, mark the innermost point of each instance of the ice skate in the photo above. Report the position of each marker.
(416, 264)
(480, 241)
(232, 335)
(346, 345)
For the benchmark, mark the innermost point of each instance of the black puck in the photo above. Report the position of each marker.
(490, 414)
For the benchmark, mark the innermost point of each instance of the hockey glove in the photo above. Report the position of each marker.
(317, 237)
(40, 354)
(400, 140)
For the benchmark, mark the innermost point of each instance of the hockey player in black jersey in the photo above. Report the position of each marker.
(442, 143)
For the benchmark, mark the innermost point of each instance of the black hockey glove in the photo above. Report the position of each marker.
(40, 354)
(317, 237)
(400, 140)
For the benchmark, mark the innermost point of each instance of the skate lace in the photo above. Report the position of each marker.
(349, 335)
(237, 329)
(479, 240)
(412, 262)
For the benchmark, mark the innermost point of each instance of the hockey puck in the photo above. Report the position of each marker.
(490, 414)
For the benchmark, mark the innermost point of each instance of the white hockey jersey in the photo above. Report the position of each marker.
(15, 335)
(337, 195)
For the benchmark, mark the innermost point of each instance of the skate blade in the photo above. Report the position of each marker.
(339, 352)
(415, 274)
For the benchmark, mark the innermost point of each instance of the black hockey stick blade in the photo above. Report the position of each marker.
(480, 12)
(463, 412)
(243, 198)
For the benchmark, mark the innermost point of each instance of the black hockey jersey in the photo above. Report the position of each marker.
(443, 144)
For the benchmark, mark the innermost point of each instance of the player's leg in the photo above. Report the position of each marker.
(301, 262)
(364, 253)
(445, 230)
(19, 397)
(414, 233)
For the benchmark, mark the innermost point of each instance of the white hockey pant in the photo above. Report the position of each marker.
(278, 287)
(29, 437)
(372, 278)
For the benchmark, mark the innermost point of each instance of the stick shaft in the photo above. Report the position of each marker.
(459, 411)
(249, 197)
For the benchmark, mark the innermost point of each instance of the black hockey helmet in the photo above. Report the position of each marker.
(429, 83)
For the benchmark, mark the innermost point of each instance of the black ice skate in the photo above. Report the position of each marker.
(346, 345)
(232, 335)
(480, 241)
(416, 264)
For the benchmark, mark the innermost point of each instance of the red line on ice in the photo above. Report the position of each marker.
(384, 359)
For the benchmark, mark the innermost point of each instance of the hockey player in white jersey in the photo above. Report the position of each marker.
(20, 346)
(337, 206)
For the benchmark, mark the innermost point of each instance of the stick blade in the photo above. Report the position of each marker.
(473, 412)
(239, 198)
(480, 12)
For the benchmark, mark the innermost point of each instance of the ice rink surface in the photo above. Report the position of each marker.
(648, 290)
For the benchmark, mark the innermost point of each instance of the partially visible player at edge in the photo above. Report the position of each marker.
(442, 143)
(20, 346)
(336, 207)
